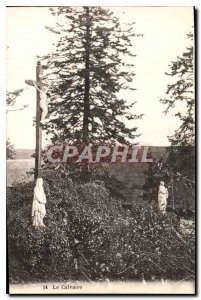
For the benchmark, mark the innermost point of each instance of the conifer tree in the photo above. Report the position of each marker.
(181, 91)
(92, 63)
(177, 167)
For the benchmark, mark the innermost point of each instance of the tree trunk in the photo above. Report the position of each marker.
(87, 82)
(85, 169)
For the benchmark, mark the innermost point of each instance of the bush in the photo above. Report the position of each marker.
(181, 186)
(89, 237)
(10, 150)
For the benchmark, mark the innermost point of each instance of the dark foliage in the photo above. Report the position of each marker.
(180, 94)
(86, 74)
(10, 150)
(177, 167)
(88, 236)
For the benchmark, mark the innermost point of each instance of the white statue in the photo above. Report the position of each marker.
(43, 100)
(162, 197)
(39, 201)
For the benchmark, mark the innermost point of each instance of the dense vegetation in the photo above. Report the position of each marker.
(88, 236)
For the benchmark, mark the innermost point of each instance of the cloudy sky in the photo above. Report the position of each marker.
(164, 38)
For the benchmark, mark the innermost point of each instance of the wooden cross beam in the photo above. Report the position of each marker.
(33, 83)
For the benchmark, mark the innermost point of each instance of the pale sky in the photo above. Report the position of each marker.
(164, 39)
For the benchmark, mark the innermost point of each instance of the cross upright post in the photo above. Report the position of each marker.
(39, 200)
(37, 173)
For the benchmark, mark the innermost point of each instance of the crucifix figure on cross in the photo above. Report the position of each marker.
(42, 88)
(43, 101)
(39, 201)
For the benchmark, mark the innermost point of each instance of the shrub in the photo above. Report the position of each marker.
(10, 150)
(88, 236)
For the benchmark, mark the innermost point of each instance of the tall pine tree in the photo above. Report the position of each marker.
(90, 67)
(181, 91)
(177, 167)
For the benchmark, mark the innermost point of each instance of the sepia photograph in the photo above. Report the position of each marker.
(100, 150)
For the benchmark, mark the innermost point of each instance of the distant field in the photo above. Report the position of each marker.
(24, 153)
(133, 177)
(16, 170)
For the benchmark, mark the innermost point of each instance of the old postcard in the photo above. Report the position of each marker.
(101, 150)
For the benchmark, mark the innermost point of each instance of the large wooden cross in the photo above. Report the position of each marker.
(38, 149)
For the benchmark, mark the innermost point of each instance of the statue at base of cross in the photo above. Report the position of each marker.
(38, 206)
(162, 197)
